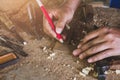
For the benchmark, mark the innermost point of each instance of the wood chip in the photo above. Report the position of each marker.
(51, 56)
(87, 70)
(74, 78)
(82, 74)
(117, 71)
(44, 48)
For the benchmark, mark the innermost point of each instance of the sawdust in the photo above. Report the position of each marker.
(57, 64)
(37, 66)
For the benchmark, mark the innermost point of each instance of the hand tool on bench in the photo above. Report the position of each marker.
(101, 67)
(9, 44)
(7, 59)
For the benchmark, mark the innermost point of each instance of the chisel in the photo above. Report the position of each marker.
(8, 59)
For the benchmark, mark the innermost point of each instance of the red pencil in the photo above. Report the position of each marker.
(59, 37)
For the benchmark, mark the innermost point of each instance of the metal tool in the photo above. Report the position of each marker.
(101, 67)
(104, 65)
(11, 27)
(52, 44)
(9, 44)
(32, 17)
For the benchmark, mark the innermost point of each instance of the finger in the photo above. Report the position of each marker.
(95, 49)
(64, 37)
(47, 28)
(76, 52)
(93, 35)
(101, 55)
(60, 25)
(93, 42)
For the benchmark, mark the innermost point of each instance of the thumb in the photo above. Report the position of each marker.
(60, 25)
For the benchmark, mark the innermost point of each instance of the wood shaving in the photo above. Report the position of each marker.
(106, 72)
(51, 56)
(74, 78)
(68, 65)
(87, 70)
(117, 71)
(77, 62)
(44, 48)
(82, 74)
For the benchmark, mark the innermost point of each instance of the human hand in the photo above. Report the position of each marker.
(99, 44)
(60, 17)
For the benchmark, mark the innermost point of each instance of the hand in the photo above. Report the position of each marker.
(61, 17)
(99, 44)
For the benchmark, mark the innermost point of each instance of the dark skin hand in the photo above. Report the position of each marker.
(99, 44)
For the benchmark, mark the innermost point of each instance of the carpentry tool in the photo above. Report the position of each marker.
(104, 65)
(8, 59)
(32, 17)
(52, 44)
(101, 67)
(59, 37)
(9, 44)
(11, 27)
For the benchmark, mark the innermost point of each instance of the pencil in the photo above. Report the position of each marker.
(44, 11)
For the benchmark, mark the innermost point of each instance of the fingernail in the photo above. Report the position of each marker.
(78, 46)
(89, 60)
(59, 30)
(81, 57)
(74, 53)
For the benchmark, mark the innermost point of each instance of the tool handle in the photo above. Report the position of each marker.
(7, 57)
